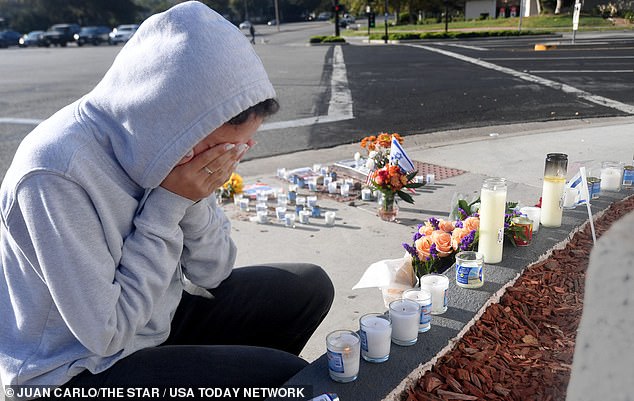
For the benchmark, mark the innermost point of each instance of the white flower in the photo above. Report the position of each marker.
(372, 154)
(357, 156)
(369, 164)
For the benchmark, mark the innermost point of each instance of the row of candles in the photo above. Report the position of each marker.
(406, 318)
(554, 199)
(289, 208)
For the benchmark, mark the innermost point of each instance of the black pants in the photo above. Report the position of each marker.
(248, 335)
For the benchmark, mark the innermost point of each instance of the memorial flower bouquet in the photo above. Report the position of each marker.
(378, 149)
(436, 242)
(235, 185)
(391, 181)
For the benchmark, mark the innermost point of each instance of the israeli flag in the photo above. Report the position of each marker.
(577, 189)
(399, 157)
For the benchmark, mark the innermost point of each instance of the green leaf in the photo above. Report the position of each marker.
(405, 196)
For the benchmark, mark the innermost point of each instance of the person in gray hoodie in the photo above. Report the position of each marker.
(107, 212)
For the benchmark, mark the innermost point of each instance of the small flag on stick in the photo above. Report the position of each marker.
(399, 157)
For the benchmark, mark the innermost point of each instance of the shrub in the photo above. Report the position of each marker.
(327, 39)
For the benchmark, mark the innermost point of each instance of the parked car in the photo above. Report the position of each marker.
(9, 38)
(245, 25)
(95, 35)
(272, 22)
(33, 38)
(61, 34)
(122, 33)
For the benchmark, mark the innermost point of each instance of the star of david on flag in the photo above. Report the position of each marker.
(399, 157)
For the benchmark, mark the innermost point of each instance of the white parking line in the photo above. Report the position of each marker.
(339, 107)
(468, 47)
(580, 71)
(19, 121)
(600, 100)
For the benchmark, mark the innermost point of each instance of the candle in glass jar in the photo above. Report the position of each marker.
(366, 194)
(330, 218)
(533, 213)
(375, 333)
(553, 190)
(345, 189)
(312, 184)
(405, 317)
(304, 216)
(492, 209)
(262, 217)
(343, 352)
(289, 220)
(311, 201)
(423, 298)
(611, 176)
(438, 285)
(280, 212)
(332, 187)
(244, 204)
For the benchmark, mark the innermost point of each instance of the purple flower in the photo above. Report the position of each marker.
(411, 250)
(467, 241)
(463, 214)
(433, 253)
(459, 224)
(417, 236)
(434, 222)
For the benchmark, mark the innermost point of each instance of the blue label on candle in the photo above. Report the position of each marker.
(425, 314)
(335, 361)
(364, 340)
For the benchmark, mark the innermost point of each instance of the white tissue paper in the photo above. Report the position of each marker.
(391, 276)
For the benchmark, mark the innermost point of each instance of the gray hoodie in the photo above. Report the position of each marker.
(93, 249)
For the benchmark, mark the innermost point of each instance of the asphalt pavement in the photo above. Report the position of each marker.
(359, 238)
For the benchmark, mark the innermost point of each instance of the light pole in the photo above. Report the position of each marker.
(277, 16)
(386, 14)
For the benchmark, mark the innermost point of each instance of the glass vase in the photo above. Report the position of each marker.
(388, 209)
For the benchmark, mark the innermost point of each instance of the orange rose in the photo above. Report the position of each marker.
(442, 240)
(471, 223)
(422, 246)
(426, 229)
(446, 226)
(457, 235)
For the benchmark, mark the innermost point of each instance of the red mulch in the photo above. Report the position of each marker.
(522, 347)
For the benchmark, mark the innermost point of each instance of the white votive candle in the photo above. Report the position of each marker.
(423, 298)
(345, 189)
(261, 196)
(332, 187)
(244, 204)
(611, 176)
(330, 218)
(366, 194)
(261, 207)
(533, 213)
(376, 334)
(343, 352)
(327, 180)
(289, 220)
(438, 285)
(236, 199)
(280, 212)
(405, 317)
(431, 179)
(304, 216)
(262, 217)
(312, 184)
(311, 201)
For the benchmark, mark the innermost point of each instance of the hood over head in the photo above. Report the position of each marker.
(184, 73)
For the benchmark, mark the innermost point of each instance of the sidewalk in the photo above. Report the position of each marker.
(359, 238)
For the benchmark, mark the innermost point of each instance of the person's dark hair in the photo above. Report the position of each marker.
(263, 109)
